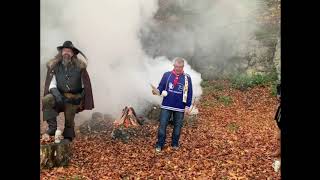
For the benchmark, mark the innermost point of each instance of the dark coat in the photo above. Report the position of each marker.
(87, 101)
(278, 113)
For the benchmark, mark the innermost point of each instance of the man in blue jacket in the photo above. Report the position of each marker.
(176, 89)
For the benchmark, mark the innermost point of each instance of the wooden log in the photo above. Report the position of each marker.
(55, 154)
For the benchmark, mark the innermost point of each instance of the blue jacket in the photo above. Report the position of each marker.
(173, 101)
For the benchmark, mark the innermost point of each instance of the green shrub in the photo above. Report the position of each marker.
(226, 100)
(244, 81)
(233, 127)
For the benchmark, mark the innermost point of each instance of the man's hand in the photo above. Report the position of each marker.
(57, 96)
(60, 100)
(187, 111)
(155, 92)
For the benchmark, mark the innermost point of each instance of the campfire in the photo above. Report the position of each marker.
(125, 127)
(128, 118)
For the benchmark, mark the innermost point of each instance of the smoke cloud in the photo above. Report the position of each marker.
(108, 33)
(213, 35)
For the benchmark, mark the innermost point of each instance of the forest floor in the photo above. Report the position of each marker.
(234, 136)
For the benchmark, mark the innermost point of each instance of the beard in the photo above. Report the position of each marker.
(66, 59)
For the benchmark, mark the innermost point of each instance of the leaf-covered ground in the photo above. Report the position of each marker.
(233, 137)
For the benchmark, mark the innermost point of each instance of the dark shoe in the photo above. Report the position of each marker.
(51, 132)
(68, 133)
(66, 141)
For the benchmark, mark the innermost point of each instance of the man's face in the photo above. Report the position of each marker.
(178, 67)
(67, 53)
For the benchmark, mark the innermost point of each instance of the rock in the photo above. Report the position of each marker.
(98, 123)
(153, 112)
(124, 134)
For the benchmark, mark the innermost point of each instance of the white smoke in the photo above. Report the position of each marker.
(209, 33)
(107, 32)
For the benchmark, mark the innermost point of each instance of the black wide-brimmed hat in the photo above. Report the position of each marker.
(68, 44)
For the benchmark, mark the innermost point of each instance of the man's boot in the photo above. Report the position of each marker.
(51, 118)
(69, 114)
(49, 114)
(69, 133)
(52, 126)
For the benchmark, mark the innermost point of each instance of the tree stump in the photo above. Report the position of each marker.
(54, 154)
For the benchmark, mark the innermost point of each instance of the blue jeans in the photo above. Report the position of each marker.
(177, 124)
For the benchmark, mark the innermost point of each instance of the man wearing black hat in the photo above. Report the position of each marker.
(67, 89)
